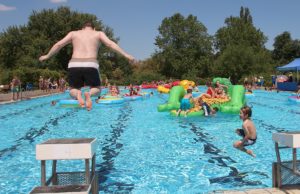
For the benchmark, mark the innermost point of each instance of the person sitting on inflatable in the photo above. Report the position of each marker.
(132, 91)
(114, 91)
(220, 92)
(220, 86)
(210, 93)
(206, 108)
(185, 103)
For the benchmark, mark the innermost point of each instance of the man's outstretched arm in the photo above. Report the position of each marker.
(57, 46)
(111, 44)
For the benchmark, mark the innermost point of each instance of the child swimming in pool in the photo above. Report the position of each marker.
(53, 102)
(248, 131)
(185, 104)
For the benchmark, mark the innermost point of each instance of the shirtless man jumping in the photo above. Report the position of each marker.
(83, 68)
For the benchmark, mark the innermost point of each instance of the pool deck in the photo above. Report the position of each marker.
(5, 98)
(294, 190)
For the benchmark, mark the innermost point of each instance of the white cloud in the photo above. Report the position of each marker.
(58, 1)
(6, 8)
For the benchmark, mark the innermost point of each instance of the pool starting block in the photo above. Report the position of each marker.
(286, 172)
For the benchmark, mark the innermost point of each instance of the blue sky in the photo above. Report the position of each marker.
(136, 22)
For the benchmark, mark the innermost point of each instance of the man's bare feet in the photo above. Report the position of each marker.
(250, 152)
(80, 99)
(88, 100)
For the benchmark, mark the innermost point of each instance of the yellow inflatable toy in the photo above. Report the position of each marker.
(211, 101)
(186, 84)
(162, 89)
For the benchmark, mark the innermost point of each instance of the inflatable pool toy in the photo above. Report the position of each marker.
(233, 104)
(149, 86)
(294, 99)
(111, 100)
(249, 94)
(175, 83)
(190, 114)
(176, 94)
(68, 103)
(110, 96)
(163, 89)
(133, 97)
(186, 84)
(194, 112)
(237, 94)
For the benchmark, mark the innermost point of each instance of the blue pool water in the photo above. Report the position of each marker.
(140, 150)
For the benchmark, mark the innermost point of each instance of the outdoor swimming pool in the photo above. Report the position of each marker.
(141, 150)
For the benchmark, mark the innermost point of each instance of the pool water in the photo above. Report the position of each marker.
(140, 150)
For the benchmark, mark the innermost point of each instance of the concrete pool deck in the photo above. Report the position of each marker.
(5, 98)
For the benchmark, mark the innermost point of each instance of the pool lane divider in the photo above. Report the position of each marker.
(110, 151)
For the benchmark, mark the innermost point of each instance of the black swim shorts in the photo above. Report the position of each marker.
(83, 76)
(248, 142)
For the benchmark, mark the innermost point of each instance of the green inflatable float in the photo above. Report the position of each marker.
(236, 93)
(176, 94)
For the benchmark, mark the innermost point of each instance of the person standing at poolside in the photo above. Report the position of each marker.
(15, 86)
(83, 68)
(248, 131)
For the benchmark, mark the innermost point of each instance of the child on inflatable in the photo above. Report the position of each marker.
(210, 93)
(132, 91)
(220, 92)
(248, 131)
(206, 108)
(185, 103)
(114, 90)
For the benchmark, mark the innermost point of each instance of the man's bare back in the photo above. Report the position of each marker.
(85, 43)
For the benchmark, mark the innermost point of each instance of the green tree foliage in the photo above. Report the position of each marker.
(185, 47)
(147, 70)
(240, 48)
(239, 30)
(285, 48)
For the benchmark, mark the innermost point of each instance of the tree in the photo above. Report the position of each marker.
(285, 48)
(184, 46)
(240, 48)
(239, 30)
